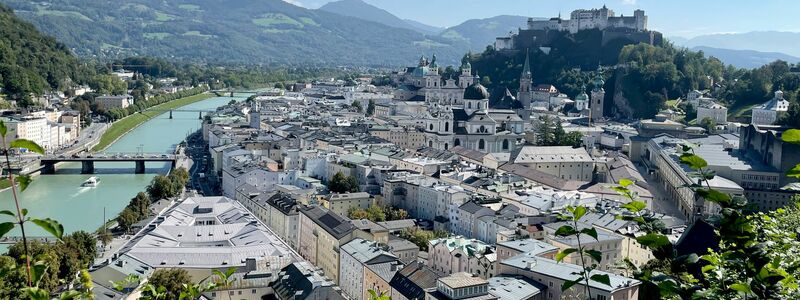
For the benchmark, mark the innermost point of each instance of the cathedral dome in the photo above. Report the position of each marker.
(476, 91)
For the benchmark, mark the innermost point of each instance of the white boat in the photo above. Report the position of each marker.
(91, 182)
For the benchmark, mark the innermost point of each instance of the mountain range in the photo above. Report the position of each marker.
(746, 50)
(477, 33)
(239, 31)
(745, 58)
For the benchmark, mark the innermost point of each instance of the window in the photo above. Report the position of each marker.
(505, 144)
(457, 142)
(481, 144)
(601, 297)
(446, 126)
(430, 127)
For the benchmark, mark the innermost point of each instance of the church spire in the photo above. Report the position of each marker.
(526, 69)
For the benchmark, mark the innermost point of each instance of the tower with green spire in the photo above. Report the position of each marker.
(598, 96)
(525, 83)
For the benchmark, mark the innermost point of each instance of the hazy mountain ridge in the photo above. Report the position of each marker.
(763, 41)
(245, 31)
(745, 58)
(482, 32)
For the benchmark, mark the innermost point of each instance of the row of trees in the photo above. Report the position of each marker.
(161, 187)
(376, 213)
(550, 132)
(420, 237)
(343, 184)
(119, 113)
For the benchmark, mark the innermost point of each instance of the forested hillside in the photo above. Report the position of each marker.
(232, 31)
(31, 62)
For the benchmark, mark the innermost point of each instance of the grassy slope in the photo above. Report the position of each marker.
(121, 127)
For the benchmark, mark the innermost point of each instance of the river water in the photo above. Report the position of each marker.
(61, 197)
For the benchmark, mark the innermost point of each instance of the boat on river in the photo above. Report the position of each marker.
(91, 182)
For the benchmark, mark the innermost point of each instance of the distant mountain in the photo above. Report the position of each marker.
(424, 28)
(365, 11)
(746, 58)
(764, 41)
(245, 31)
(479, 33)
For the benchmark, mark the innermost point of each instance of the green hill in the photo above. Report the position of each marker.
(31, 62)
(244, 31)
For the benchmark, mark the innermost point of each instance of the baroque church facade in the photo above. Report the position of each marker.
(473, 125)
(424, 83)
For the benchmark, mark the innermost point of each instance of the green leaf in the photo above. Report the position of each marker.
(741, 287)
(24, 181)
(24, 212)
(3, 129)
(624, 182)
(590, 232)
(579, 212)
(565, 230)
(687, 146)
(51, 226)
(791, 136)
(714, 196)
(693, 161)
(6, 227)
(7, 212)
(794, 172)
(569, 283)
(653, 240)
(27, 144)
(35, 293)
(596, 255)
(634, 206)
(601, 278)
(37, 271)
(564, 253)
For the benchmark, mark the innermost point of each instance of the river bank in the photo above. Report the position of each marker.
(122, 127)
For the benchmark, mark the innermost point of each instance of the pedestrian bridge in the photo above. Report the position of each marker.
(48, 163)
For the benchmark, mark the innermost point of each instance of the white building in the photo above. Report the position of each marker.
(110, 102)
(714, 111)
(767, 113)
(560, 161)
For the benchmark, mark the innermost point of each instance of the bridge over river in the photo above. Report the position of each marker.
(48, 163)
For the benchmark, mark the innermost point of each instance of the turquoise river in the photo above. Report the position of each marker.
(61, 197)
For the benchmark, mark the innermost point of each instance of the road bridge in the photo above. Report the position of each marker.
(48, 163)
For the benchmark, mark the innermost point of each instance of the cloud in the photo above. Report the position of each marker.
(629, 2)
(294, 2)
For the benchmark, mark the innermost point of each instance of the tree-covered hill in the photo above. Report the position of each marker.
(242, 31)
(31, 62)
(639, 78)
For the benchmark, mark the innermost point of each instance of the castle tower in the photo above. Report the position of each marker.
(525, 84)
(598, 97)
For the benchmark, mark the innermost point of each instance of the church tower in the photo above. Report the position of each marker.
(525, 84)
(581, 100)
(465, 79)
(598, 97)
(255, 114)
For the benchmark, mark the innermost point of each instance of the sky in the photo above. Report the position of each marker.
(681, 18)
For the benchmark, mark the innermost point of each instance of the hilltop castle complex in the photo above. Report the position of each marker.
(538, 32)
